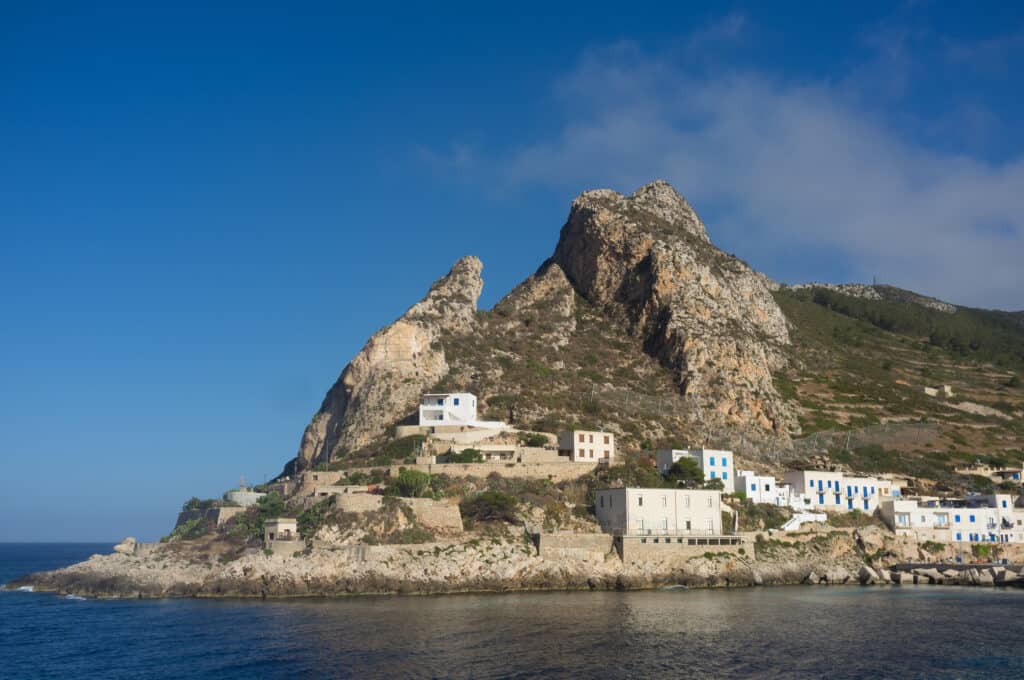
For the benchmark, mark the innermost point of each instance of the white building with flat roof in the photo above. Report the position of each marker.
(974, 519)
(587, 446)
(657, 512)
(761, 488)
(453, 409)
(832, 490)
(714, 463)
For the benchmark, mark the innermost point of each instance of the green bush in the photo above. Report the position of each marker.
(192, 529)
(489, 506)
(533, 439)
(195, 503)
(410, 484)
(933, 547)
(466, 456)
(686, 472)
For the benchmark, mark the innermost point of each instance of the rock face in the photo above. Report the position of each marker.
(397, 364)
(704, 314)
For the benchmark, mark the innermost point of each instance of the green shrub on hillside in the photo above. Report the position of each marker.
(488, 506)
(410, 484)
(466, 456)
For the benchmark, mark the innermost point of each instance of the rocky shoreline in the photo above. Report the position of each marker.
(476, 566)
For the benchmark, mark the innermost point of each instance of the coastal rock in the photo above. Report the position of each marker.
(394, 368)
(126, 547)
(867, 575)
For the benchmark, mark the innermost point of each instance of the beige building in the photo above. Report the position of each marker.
(586, 446)
(280, 529)
(659, 512)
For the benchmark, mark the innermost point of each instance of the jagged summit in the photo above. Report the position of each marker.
(655, 205)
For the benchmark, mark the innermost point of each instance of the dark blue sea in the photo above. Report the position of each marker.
(795, 632)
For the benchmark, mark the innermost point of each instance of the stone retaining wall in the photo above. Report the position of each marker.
(556, 472)
(216, 515)
(589, 547)
(635, 548)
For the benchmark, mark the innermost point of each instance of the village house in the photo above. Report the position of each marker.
(761, 488)
(715, 464)
(456, 409)
(659, 512)
(281, 536)
(996, 474)
(994, 518)
(833, 490)
(587, 446)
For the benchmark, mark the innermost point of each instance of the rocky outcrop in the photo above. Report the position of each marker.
(702, 313)
(397, 364)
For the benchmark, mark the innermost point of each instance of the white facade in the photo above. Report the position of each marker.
(447, 409)
(654, 512)
(586, 446)
(457, 409)
(829, 490)
(761, 488)
(715, 464)
(975, 519)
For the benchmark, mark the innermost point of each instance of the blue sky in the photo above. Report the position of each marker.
(206, 211)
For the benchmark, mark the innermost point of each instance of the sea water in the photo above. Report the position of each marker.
(786, 632)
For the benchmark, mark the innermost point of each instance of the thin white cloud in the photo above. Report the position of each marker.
(789, 166)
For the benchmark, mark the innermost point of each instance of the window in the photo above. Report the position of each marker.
(687, 525)
(640, 501)
(956, 518)
(712, 474)
(607, 439)
(959, 536)
(591, 439)
(456, 401)
(582, 439)
(767, 487)
(724, 462)
(602, 501)
(582, 453)
(440, 402)
(753, 487)
(712, 463)
(725, 475)
(972, 518)
(821, 499)
(1004, 503)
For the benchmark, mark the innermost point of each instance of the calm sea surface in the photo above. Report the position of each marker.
(909, 632)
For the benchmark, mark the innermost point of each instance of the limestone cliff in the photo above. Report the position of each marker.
(704, 314)
(385, 380)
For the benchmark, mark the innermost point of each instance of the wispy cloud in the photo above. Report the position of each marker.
(787, 165)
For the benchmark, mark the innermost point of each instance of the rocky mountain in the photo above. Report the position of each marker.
(697, 327)
(637, 323)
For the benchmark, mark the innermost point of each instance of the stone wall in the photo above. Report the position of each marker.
(590, 547)
(287, 548)
(637, 548)
(433, 514)
(215, 515)
(556, 472)
(358, 502)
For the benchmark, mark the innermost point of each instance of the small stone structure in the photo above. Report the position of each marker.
(281, 536)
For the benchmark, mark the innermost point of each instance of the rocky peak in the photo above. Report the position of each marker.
(385, 380)
(701, 312)
(451, 301)
(655, 205)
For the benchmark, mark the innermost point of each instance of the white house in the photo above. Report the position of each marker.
(585, 446)
(715, 464)
(831, 490)
(975, 519)
(761, 488)
(668, 512)
(453, 409)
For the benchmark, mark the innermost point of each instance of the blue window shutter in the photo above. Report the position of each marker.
(725, 475)
(456, 401)
(753, 487)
